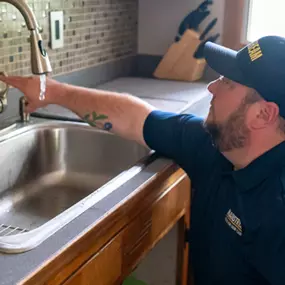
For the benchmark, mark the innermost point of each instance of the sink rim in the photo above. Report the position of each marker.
(26, 241)
(20, 128)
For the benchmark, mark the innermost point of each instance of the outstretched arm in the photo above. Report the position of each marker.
(120, 113)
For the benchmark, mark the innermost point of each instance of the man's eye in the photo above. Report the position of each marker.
(225, 81)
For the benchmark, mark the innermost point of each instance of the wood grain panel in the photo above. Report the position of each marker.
(233, 23)
(104, 268)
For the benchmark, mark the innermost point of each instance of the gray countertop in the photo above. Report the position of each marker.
(166, 95)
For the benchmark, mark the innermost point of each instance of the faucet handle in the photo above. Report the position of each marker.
(3, 94)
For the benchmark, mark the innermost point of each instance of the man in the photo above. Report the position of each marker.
(235, 158)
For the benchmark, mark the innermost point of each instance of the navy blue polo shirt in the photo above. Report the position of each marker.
(237, 233)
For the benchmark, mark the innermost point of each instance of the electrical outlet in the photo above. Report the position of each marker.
(56, 26)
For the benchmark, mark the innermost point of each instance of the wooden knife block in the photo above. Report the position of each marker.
(179, 63)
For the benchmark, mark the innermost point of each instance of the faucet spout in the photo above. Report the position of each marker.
(40, 63)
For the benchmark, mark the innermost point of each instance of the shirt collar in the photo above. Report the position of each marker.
(260, 168)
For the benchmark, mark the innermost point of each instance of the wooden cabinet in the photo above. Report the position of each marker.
(125, 237)
(104, 268)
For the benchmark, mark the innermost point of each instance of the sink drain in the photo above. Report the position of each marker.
(10, 230)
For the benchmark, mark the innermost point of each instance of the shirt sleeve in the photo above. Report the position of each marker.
(180, 137)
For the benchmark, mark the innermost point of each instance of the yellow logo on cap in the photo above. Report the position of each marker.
(254, 51)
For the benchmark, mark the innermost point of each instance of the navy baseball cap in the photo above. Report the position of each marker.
(259, 65)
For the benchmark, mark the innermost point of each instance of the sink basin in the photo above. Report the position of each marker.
(51, 172)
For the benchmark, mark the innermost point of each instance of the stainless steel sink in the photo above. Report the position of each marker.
(51, 172)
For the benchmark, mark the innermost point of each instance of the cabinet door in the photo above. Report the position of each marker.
(170, 208)
(103, 268)
(144, 232)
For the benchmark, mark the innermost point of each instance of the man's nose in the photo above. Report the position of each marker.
(212, 86)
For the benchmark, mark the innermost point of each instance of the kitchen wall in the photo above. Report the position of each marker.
(98, 32)
(103, 39)
(158, 24)
(159, 21)
(100, 43)
(95, 32)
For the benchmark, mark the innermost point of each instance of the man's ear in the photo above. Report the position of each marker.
(270, 112)
(262, 114)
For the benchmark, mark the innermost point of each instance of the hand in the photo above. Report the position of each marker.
(30, 86)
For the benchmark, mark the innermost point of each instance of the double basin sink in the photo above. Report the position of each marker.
(52, 171)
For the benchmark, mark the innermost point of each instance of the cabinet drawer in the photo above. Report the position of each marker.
(104, 268)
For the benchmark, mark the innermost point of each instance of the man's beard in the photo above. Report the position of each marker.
(231, 134)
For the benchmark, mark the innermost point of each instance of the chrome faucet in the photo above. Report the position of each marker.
(40, 63)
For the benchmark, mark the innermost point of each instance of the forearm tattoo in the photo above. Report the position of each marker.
(94, 119)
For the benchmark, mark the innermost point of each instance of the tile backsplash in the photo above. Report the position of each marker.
(95, 32)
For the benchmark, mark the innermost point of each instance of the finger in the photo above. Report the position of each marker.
(15, 81)
(30, 108)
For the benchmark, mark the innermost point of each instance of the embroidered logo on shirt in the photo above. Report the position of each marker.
(234, 222)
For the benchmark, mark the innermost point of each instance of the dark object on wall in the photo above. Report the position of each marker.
(194, 18)
(204, 5)
(200, 50)
(208, 28)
